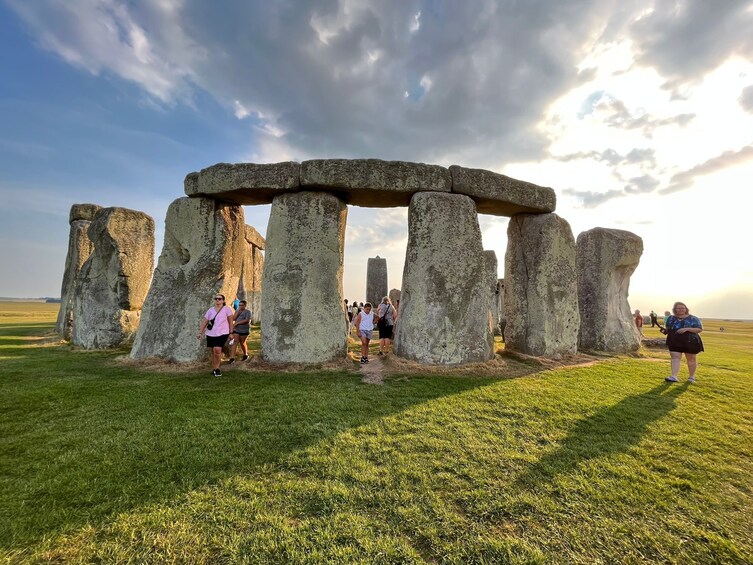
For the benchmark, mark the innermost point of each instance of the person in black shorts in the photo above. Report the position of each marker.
(386, 316)
(241, 319)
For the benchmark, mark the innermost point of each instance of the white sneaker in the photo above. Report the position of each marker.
(691, 380)
(671, 379)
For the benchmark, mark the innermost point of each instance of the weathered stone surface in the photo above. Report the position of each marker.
(256, 286)
(541, 289)
(490, 278)
(394, 296)
(249, 285)
(302, 303)
(244, 183)
(114, 281)
(202, 254)
(83, 212)
(376, 280)
(445, 300)
(501, 195)
(80, 248)
(606, 260)
(373, 182)
(501, 317)
(254, 237)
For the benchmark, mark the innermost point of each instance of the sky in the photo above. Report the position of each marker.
(638, 113)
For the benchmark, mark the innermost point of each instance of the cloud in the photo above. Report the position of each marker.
(685, 40)
(746, 98)
(685, 179)
(641, 184)
(644, 155)
(615, 113)
(592, 199)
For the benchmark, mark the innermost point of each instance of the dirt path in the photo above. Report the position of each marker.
(373, 372)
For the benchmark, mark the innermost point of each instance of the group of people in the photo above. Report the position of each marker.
(364, 322)
(224, 326)
(219, 323)
(682, 330)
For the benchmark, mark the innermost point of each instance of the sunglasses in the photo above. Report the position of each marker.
(218, 298)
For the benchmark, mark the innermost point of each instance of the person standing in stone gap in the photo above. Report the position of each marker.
(365, 330)
(354, 310)
(683, 331)
(654, 319)
(218, 323)
(241, 320)
(386, 316)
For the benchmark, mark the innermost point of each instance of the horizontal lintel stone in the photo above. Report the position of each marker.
(373, 182)
(501, 195)
(244, 183)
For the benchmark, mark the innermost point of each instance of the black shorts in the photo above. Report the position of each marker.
(385, 331)
(217, 341)
(240, 332)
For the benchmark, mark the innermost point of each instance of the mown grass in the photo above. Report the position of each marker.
(103, 461)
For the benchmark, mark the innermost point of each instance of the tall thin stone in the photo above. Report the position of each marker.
(607, 259)
(541, 289)
(445, 299)
(490, 274)
(501, 316)
(80, 248)
(302, 303)
(257, 285)
(376, 280)
(202, 255)
(249, 285)
(113, 283)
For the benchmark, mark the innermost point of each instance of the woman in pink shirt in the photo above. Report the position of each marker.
(218, 322)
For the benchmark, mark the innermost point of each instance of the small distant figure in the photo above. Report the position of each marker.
(638, 321)
(236, 302)
(721, 329)
(667, 314)
(654, 319)
(365, 330)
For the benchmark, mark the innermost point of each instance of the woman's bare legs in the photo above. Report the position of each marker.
(675, 360)
(216, 357)
(692, 364)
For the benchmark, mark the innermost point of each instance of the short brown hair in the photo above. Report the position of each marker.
(676, 304)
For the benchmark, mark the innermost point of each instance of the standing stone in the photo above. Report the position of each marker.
(501, 317)
(114, 281)
(394, 296)
(445, 300)
(249, 285)
(256, 285)
(80, 248)
(202, 254)
(302, 304)
(606, 260)
(376, 280)
(490, 274)
(541, 288)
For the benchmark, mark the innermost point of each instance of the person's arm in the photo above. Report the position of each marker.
(230, 319)
(357, 324)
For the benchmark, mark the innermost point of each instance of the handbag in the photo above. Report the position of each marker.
(210, 323)
(382, 323)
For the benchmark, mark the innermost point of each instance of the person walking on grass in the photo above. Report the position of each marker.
(365, 330)
(638, 321)
(241, 320)
(683, 331)
(386, 316)
(218, 323)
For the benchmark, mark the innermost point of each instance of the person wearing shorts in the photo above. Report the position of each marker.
(221, 318)
(241, 320)
(365, 330)
(683, 338)
(386, 317)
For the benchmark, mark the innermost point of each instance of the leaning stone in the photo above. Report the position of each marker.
(394, 296)
(490, 274)
(114, 281)
(501, 195)
(376, 280)
(202, 254)
(244, 183)
(373, 182)
(501, 319)
(302, 303)
(443, 316)
(256, 286)
(541, 288)
(606, 261)
(254, 237)
(80, 248)
(83, 212)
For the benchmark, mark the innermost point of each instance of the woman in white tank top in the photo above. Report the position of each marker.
(365, 329)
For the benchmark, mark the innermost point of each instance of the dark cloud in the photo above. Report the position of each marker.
(685, 179)
(746, 98)
(685, 40)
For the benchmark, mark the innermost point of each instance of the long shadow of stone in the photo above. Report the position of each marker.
(86, 438)
(611, 430)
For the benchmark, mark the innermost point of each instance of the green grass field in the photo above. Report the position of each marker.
(102, 461)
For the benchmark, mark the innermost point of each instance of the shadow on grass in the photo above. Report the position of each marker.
(84, 438)
(611, 430)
